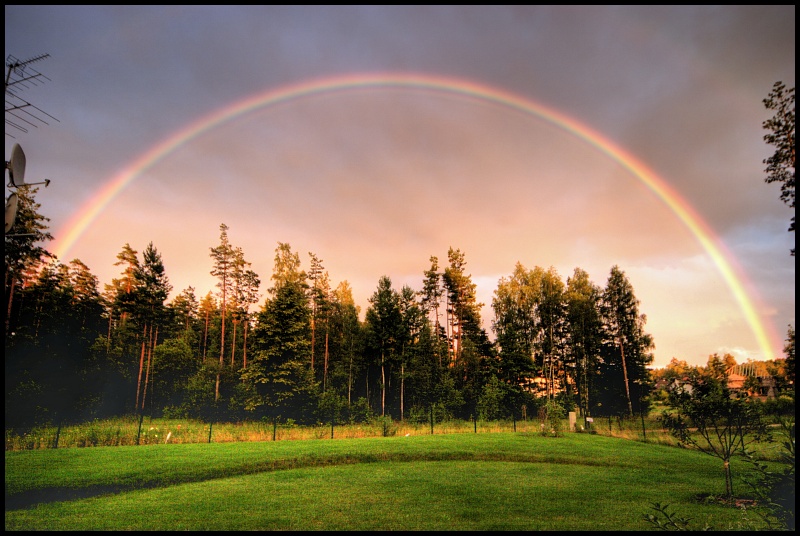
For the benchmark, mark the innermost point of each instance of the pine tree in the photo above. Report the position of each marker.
(626, 346)
(583, 315)
(185, 309)
(345, 329)
(208, 310)
(21, 248)
(223, 257)
(152, 289)
(552, 316)
(515, 305)
(278, 376)
(463, 307)
(383, 321)
(412, 318)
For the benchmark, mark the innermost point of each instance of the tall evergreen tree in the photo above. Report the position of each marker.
(412, 318)
(583, 302)
(432, 291)
(123, 288)
(244, 293)
(185, 310)
(279, 376)
(22, 248)
(552, 329)
(627, 348)
(515, 305)
(208, 312)
(151, 292)
(346, 341)
(383, 323)
(463, 307)
(315, 275)
(223, 256)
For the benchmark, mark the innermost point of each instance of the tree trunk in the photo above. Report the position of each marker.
(383, 386)
(728, 478)
(205, 336)
(625, 375)
(147, 373)
(313, 336)
(10, 301)
(141, 367)
(325, 371)
(233, 343)
(108, 337)
(402, 387)
(244, 343)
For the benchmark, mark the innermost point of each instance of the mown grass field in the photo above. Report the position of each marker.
(484, 481)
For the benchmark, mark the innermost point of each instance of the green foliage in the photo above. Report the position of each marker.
(623, 384)
(387, 425)
(490, 401)
(551, 419)
(709, 419)
(331, 407)
(360, 412)
(279, 375)
(781, 134)
(775, 490)
(670, 521)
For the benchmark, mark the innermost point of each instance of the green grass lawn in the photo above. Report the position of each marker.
(441, 482)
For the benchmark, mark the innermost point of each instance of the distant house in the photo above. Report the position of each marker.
(681, 385)
(752, 379)
(736, 381)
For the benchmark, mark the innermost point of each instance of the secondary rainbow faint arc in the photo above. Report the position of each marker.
(723, 260)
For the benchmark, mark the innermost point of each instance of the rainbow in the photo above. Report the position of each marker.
(723, 260)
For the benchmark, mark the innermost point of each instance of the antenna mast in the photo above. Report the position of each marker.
(19, 77)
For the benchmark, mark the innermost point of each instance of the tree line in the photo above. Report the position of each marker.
(301, 351)
(73, 352)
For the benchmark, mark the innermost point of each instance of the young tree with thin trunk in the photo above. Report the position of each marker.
(223, 257)
(709, 418)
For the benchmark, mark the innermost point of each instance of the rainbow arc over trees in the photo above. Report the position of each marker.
(733, 276)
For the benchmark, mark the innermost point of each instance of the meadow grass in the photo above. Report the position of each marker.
(123, 431)
(504, 480)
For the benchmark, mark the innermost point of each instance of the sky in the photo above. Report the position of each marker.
(379, 136)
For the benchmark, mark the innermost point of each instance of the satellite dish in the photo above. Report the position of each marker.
(16, 167)
(11, 211)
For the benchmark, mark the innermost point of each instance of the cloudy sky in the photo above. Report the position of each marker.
(506, 132)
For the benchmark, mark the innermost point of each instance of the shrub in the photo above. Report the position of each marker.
(551, 419)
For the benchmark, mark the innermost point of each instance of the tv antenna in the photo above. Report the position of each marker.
(19, 77)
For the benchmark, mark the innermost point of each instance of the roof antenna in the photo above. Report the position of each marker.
(20, 76)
